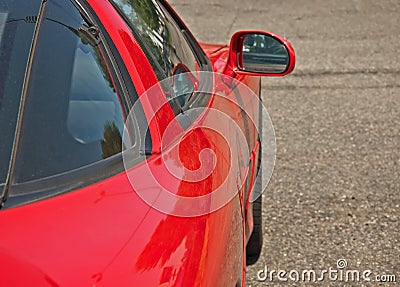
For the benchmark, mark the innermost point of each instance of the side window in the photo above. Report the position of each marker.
(74, 115)
(164, 44)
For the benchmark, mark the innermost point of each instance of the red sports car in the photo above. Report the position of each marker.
(129, 151)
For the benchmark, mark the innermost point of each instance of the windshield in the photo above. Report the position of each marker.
(17, 26)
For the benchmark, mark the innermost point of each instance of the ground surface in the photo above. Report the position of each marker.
(335, 192)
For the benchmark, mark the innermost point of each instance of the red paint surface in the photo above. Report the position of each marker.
(106, 235)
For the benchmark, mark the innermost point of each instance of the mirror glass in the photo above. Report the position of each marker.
(263, 54)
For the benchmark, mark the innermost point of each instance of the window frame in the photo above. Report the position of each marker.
(38, 189)
(197, 50)
(199, 99)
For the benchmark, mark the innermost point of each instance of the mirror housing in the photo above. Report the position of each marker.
(259, 53)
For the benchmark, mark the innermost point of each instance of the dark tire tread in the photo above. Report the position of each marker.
(254, 246)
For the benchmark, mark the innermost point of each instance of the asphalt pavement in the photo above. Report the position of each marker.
(335, 191)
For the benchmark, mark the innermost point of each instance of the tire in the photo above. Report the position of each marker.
(254, 246)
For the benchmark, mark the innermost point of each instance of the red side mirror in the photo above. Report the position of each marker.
(260, 53)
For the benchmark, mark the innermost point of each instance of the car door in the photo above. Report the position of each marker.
(201, 168)
(185, 75)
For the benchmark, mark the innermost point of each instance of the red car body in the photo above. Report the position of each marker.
(104, 234)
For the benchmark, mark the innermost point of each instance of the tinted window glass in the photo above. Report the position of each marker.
(16, 32)
(73, 114)
(167, 46)
(160, 33)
